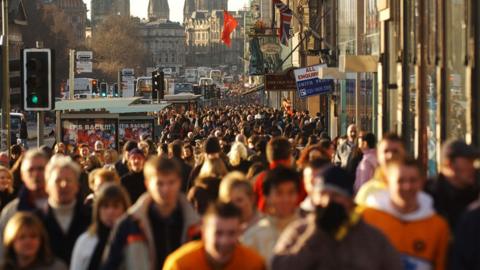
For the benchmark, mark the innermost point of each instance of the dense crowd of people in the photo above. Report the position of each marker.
(240, 188)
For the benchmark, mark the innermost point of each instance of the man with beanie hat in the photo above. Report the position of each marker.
(335, 237)
(133, 181)
(456, 185)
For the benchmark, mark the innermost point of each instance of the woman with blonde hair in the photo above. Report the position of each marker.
(213, 168)
(238, 156)
(236, 188)
(110, 204)
(25, 244)
(6, 187)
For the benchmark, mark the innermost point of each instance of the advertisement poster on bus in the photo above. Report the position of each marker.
(133, 130)
(88, 131)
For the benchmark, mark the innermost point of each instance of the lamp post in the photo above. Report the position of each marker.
(5, 121)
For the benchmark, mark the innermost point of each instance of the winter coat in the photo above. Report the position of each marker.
(303, 246)
(466, 245)
(132, 244)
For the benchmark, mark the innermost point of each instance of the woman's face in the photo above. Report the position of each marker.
(187, 153)
(241, 200)
(5, 180)
(26, 243)
(110, 212)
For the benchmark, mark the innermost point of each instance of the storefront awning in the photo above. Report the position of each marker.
(257, 88)
(358, 63)
(331, 73)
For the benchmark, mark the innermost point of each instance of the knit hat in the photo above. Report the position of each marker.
(212, 145)
(335, 179)
(136, 151)
(458, 148)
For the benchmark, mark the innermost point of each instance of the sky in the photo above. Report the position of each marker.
(138, 8)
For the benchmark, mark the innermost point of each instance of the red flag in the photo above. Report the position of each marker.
(229, 24)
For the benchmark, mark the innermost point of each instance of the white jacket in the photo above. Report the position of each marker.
(83, 251)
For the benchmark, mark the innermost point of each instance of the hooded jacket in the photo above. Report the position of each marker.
(132, 244)
(421, 237)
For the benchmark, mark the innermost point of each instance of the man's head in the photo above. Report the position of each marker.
(62, 174)
(175, 149)
(84, 150)
(279, 150)
(390, 148)
(136, 160)
(458, 163)
(32, 170)
(352, 132)
(212, 147)
(4, 159)
(405, 181)
(220, 230)
(99, 146)
(332, 196)
(312, 169)
(163, 180)
(59, 148)
(280, 188)
(367, 141)
(127, 147)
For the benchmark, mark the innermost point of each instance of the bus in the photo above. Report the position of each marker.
(191, 75)
(182, 88)
(205, 81)
(83, 88)
(216, 76)
(144, 87)
(203, 72)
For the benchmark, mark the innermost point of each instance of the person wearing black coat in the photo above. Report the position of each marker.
(466, 245)
(66, 217)
(134, 181)
(175, 153)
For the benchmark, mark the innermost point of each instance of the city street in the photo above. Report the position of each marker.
(240, 135)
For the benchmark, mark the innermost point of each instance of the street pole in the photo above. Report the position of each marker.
(71, 75)
(5, 125)
(40, 114)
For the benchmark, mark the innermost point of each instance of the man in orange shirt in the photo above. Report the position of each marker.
(406, 216)
(219, 248)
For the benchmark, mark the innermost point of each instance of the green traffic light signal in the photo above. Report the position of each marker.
(35, 99)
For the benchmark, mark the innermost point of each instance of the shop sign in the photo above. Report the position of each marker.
(271, 48)
(308, 81)
(284, 81)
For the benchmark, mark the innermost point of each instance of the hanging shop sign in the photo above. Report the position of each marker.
(308, 82)
(284, 81)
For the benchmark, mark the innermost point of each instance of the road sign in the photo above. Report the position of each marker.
(84, 62)
(309, 83)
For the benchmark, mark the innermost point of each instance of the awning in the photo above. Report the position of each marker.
(358, 63)
(181, 97)
(140, 108)
(259, 87)
(112, 105)
(331, 73)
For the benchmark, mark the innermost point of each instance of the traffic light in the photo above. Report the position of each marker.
(37, 80)
(94, 87)
(103, 89)
(158, 86)
(115, 90)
